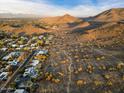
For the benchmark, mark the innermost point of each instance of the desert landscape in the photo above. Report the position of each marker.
(63, 54)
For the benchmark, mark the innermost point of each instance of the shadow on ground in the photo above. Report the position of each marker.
(83, 30)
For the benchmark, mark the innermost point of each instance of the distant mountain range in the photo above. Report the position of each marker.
(10, 15)
(114, 14)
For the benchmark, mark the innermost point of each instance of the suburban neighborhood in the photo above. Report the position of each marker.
(14, 51)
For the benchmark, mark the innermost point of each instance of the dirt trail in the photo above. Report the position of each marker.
(69, 72)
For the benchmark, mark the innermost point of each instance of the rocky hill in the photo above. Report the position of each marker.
(115, 14)
(60, 19)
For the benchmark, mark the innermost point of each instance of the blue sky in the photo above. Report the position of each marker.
(68, 3)
(80, 8)
(71, 3)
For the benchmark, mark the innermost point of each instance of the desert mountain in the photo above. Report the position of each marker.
(20, 27)
(60, 19)
(106, 32)
(115, 14)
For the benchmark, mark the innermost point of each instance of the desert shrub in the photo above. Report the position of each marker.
(80, 82)
(40, 26)
(16, 25)
(1, 43)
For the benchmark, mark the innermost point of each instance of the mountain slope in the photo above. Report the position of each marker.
(106, 34)
(115, 14)
(60, 20)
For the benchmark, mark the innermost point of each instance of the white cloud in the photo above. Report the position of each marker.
(44, 8)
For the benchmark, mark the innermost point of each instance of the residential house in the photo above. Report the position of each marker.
(3, 49)
(11, 55)
(42, 52)
(41, 37)
(3, 75)
(31, 72)
(13, 63)
(34, 62)
(20, 91)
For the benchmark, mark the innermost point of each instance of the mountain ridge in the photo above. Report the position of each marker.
(60, 19)
(114, 14)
